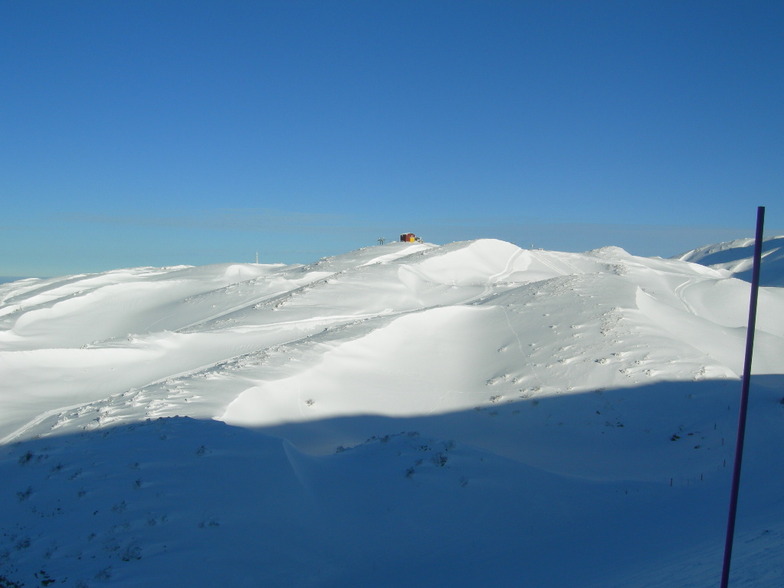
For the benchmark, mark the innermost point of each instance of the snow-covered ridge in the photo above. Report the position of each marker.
(403, 390)
(480, 312)
(736, 257)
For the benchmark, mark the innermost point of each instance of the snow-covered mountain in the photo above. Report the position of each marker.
(406, 414)
(737, 257)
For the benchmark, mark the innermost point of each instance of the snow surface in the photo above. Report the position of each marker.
(407, 414)
(737, 257)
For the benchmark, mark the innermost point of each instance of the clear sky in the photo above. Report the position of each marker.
(191, 132)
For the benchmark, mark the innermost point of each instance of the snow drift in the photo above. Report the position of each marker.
(736, 257)
(465, 414)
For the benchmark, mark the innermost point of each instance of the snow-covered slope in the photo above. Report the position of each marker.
(737, 257)
(408, 414)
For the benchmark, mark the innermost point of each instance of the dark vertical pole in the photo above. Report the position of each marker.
(744, 398)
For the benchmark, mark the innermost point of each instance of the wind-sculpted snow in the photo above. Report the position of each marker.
(434, 405)
(396, 329)
(737, 258)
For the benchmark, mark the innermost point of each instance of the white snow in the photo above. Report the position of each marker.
(407, 414)
(736, 257)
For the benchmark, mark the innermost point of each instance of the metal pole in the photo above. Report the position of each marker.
(744, 398)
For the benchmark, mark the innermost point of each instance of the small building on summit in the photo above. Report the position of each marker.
(409, 238)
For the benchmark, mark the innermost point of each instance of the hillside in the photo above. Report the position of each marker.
(737, 258)
(465, 414)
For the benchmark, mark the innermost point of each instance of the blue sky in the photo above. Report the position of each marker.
(193, 132)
